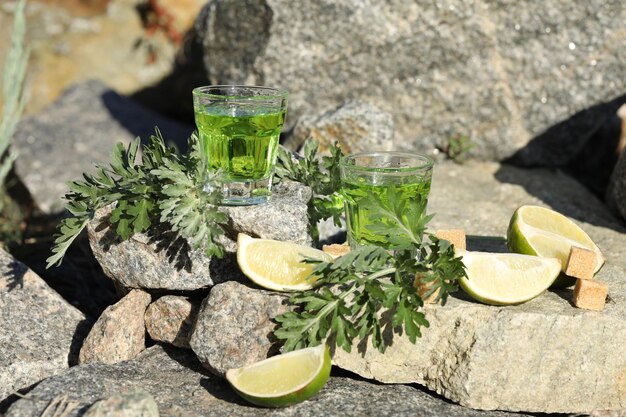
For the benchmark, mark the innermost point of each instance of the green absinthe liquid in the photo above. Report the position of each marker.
(358, 215)
(242, 146)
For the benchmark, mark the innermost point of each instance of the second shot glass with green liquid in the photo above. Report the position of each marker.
(364, 175)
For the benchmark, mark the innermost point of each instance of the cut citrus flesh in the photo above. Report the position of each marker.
(277, 265)
(506, 278)
(543, 232)
(284, 379)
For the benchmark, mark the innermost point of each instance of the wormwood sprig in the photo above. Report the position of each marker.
(321, 175)
(370, 293)
(165, 188)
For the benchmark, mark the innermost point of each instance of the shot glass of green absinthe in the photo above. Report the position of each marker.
(365, 182)
(239, 127)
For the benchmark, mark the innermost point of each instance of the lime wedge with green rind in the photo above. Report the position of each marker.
(277, 265)
(506, 278)
(539, 231)
(283, 380)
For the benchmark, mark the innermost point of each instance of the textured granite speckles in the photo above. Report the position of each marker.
(182, 388)
(38, 328)
(135, 404)
(170, 319)
(513, 358)
(155, 263)
(357, 125)
(234, 326)
(120, 332)
(498, 74)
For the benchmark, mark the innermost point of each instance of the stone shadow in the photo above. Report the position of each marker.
(584, 147)
(15, 275)
(141, 122)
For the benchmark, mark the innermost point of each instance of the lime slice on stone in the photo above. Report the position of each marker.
(506, 278)
(284, 379)
(277, 265)
(543, 232)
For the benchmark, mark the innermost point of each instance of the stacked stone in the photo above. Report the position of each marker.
(166, 284)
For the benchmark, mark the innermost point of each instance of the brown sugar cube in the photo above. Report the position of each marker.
(581, 263)
(336, 250)
(454, 236)
(590, 294)
(423, 288)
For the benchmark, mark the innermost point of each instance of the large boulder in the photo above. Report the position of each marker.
(40, 332)
(180, 386)
(498, 74)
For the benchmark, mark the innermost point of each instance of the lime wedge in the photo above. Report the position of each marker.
(543, 232)
(506, 278)
(277, 265)
(284, 379)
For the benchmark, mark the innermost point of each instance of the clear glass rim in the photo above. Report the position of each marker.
(423, 162)
(271, 93)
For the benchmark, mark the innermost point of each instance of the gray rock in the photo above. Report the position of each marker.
(136, 404)
(514, 358)
(157, 262)
(498, 74)
(120, 332)
(77, 131)
(170, 319)
(234, 326)
(39, 330)
(284, 217)
(181, 388)
(358, 126)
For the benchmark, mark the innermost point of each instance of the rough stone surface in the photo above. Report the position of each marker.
(284, 217)
(513, 358)
(158, 263)
(170, 318)
(358, 126)
(136, 404)
(77, 131)
(234, 326)
(120, 332)
(517, 357)
(481, 198)
(39, 330)
(182, 388)
(482, 69)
